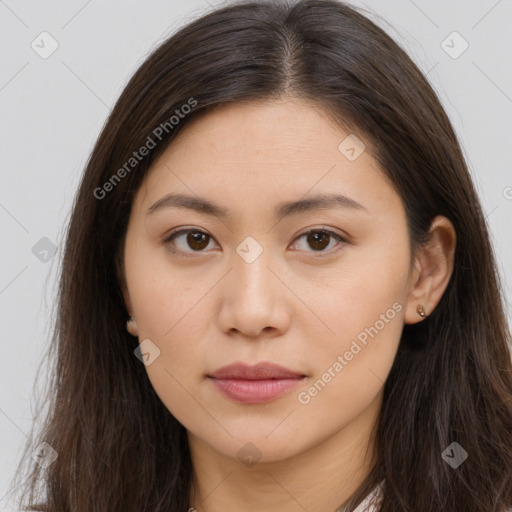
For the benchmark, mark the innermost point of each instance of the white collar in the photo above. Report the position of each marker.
(371, 502)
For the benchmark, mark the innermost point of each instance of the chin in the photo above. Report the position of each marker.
(251, 447)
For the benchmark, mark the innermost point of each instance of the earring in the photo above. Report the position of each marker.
(131, 326)
(421, 311)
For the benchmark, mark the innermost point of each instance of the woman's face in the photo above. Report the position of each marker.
(250, 285)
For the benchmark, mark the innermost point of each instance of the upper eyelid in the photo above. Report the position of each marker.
(180, 230)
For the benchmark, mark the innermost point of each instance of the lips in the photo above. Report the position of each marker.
(255, 372)
(254, 384)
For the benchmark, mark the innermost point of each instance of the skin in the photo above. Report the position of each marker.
(214, 308)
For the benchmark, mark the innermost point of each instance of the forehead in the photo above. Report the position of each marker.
(269, 128)
(250, 154)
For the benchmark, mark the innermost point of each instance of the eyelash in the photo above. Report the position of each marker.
(173, 234)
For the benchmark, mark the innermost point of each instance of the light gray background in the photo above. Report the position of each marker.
(53, 108)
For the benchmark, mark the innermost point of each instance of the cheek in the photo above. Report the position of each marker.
(169, 308)
(171, 313)
(351, 366)
(363, 305)
(162, 295)
(367, 288)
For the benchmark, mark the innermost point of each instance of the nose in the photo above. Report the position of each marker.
(254, 300)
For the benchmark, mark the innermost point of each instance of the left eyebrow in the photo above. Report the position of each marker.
(283, 209)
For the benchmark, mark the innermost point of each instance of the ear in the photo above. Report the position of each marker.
(131, 325)
(433, 267)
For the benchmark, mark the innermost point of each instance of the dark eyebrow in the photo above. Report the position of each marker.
(284, 209)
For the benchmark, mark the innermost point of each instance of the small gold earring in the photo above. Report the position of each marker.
(421, 311)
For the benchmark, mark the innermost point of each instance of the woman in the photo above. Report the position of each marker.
(278, 290)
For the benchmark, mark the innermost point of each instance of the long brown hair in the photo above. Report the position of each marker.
(119, 448)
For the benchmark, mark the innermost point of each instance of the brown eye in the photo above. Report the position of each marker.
(195, 240)
(319, 239)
